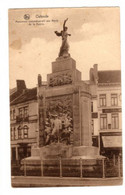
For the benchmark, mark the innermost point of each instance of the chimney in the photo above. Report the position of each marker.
(39, 80)
(20, 85)
(95, 72)
(91, 75)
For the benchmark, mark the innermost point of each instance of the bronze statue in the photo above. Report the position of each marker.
(65, 46)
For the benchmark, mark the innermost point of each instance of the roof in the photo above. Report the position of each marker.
(18, 90)
(27, 95)
(14, 95)
(110, 76)
(12, 91)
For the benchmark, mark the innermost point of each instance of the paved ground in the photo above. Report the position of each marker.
(21, 181)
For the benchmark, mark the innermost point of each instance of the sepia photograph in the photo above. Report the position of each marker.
(65, 97)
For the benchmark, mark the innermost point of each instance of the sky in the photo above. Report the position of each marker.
(95, 39)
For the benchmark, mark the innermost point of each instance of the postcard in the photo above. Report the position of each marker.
(65, 97)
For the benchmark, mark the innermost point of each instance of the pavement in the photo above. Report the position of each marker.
(22, 181)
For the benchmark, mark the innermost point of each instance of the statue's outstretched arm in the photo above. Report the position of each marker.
(64, 23)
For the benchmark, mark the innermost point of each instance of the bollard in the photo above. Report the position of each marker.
(119, 174)
(25, 168)
(42, 168)
(60, 166)
(103, 168)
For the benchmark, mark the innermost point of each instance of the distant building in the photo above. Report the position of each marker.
(106, 111)
(23, 120)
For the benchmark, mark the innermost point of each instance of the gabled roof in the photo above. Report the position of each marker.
(27, 95)
(110, 76)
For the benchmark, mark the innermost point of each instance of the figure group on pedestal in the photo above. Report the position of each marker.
(58, 128)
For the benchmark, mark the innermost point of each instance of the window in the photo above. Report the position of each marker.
(114, 99)
(91, 106)
(103, 121)
(25, 111)
(115, 122)
(19, 132)
(12, 134)
(11, 115)
(92, 127)
(14, 114)
(109, 126)
(20, 112)
(25, 131)
(102, 99)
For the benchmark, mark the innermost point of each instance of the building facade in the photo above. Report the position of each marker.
(106, 111)
(23, 120)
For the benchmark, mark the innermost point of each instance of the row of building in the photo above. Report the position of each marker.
(106, 111)
(105, 115)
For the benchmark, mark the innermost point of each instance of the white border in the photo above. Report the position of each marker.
(5, 182)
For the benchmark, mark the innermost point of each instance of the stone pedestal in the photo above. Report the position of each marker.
(66, 94)
(55, 151)
(64, 72)
(62, 64)
(65, 89)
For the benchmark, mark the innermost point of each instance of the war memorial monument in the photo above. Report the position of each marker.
(64, 107)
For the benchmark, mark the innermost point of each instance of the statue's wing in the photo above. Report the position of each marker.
(59, 33)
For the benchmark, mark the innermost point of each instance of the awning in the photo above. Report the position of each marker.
(112, 141)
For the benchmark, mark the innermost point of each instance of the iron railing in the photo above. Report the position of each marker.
(82, 168)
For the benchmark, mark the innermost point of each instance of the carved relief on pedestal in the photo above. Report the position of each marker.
(60, 79)
(59, 122)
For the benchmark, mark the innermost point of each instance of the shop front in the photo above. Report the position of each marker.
(111, 144)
